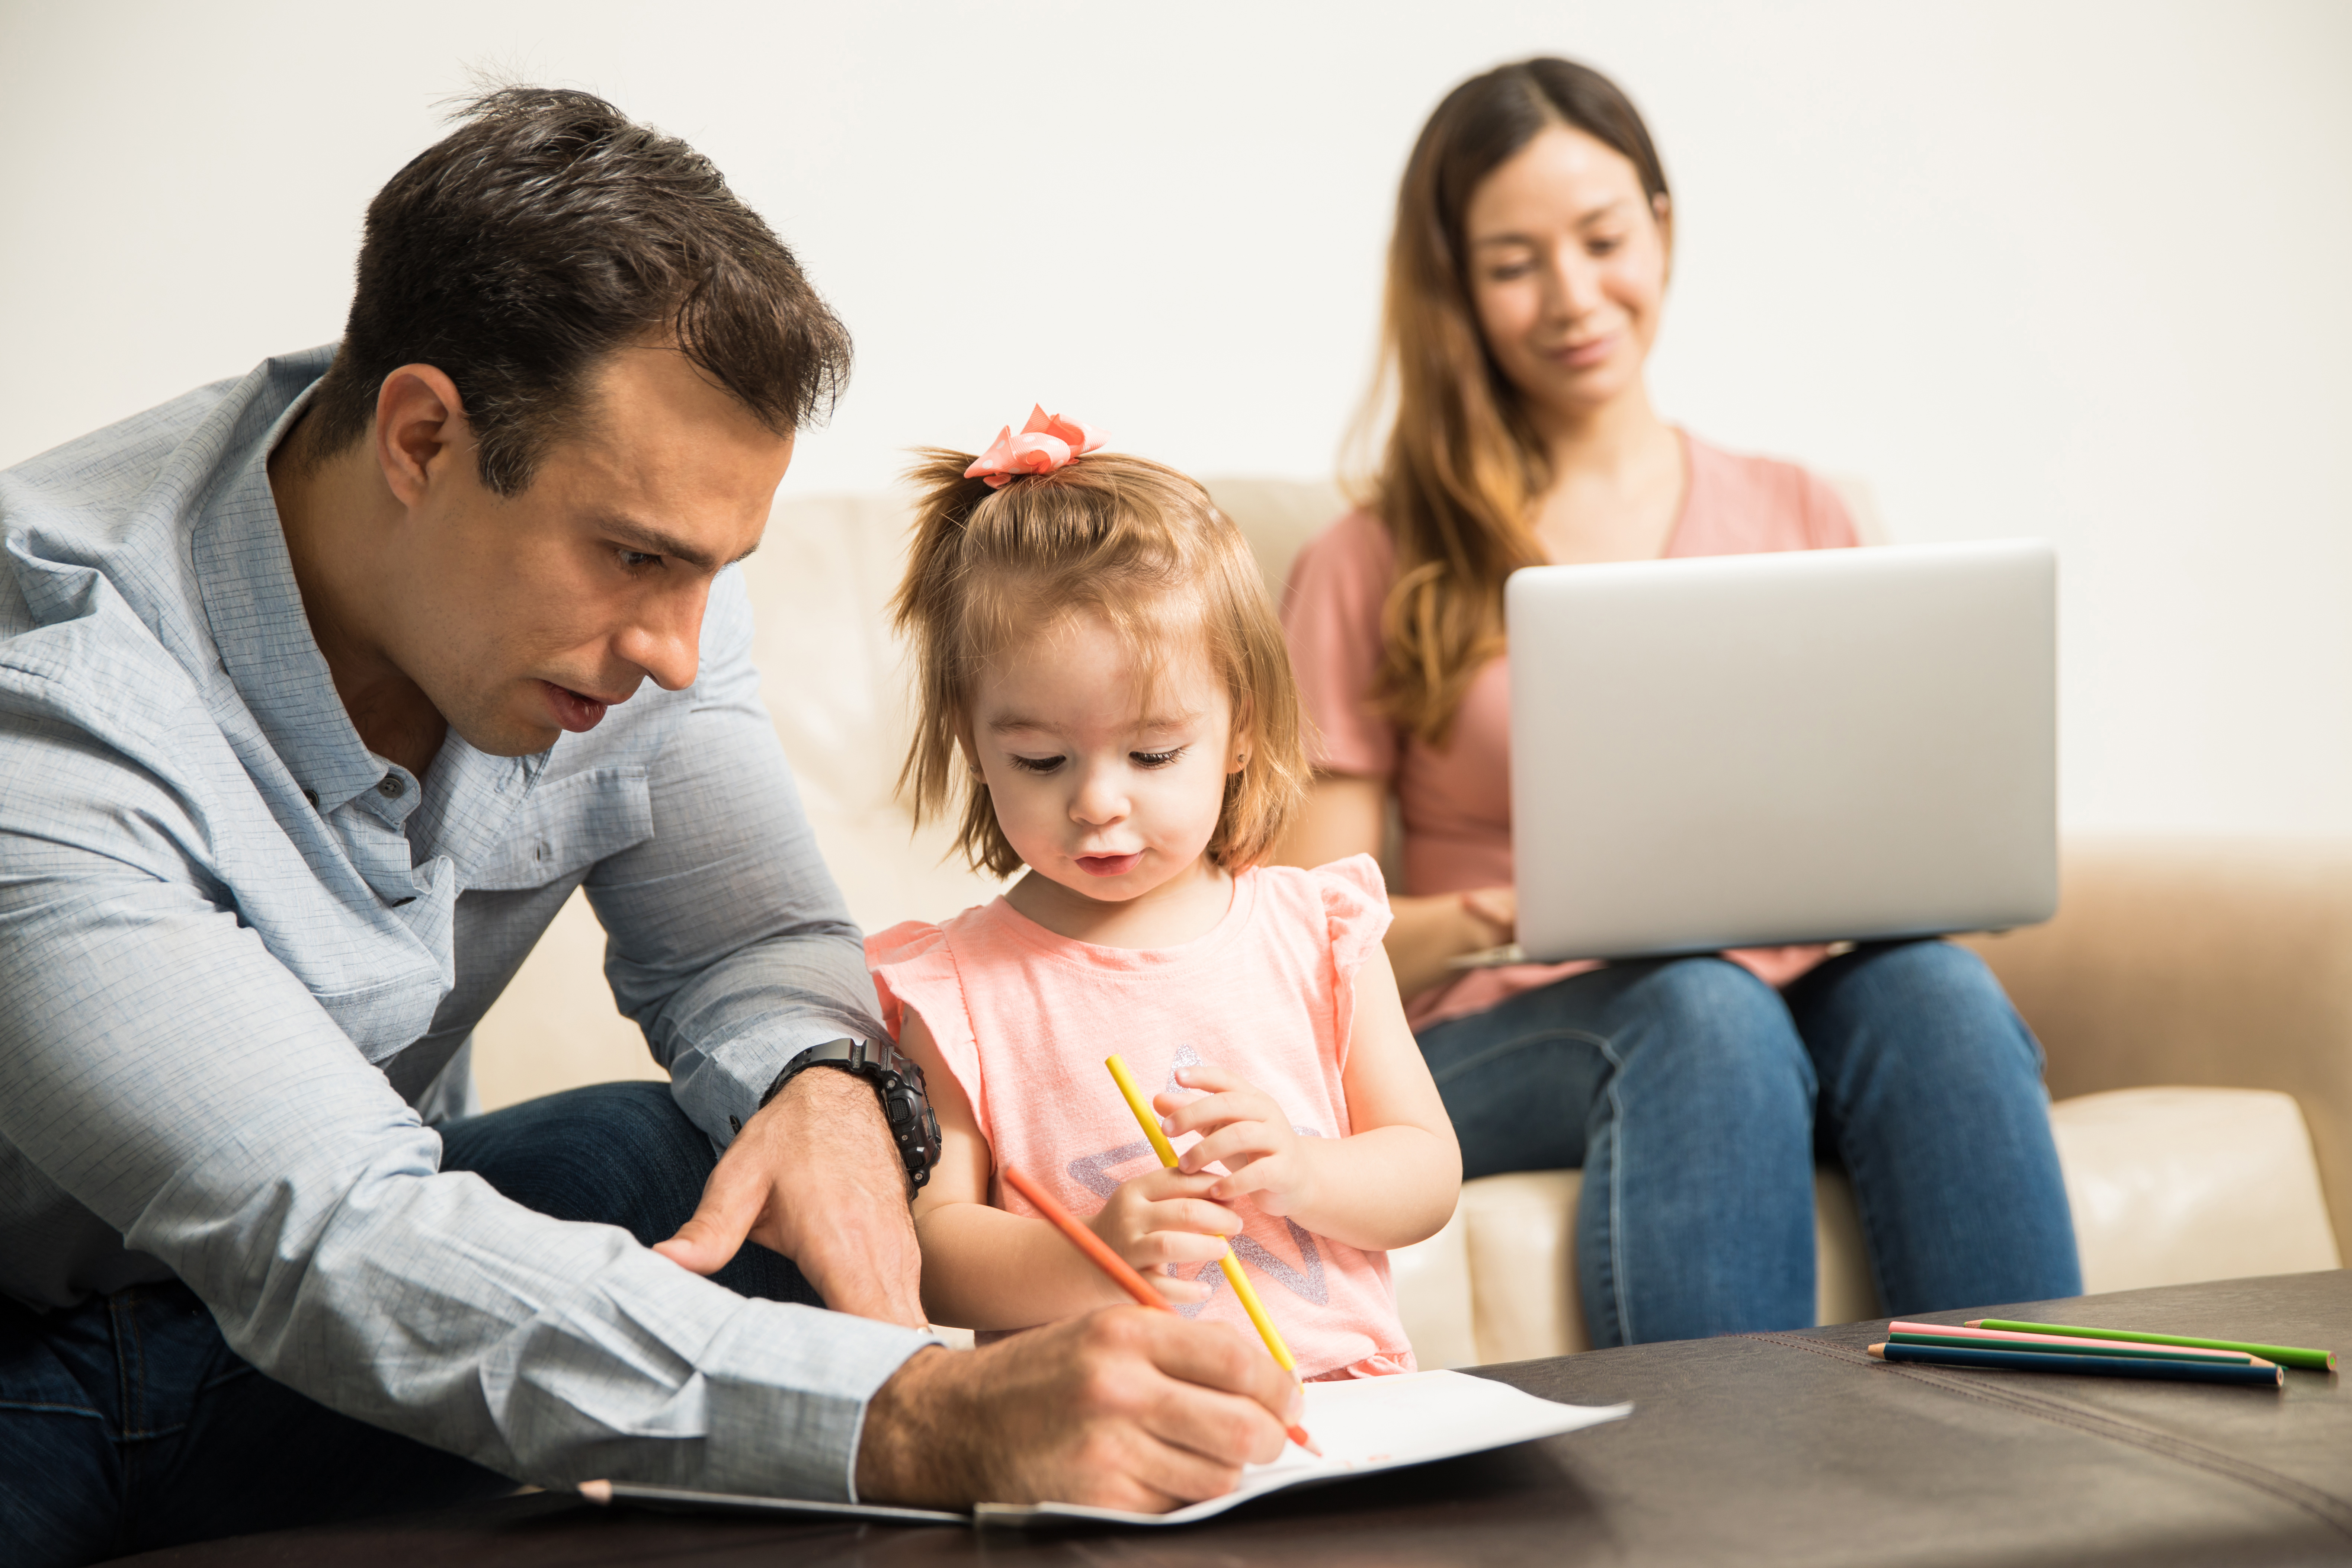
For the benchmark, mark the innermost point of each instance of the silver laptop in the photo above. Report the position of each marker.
(1817, 745)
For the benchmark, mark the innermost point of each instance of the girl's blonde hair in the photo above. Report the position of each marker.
(1132, 540)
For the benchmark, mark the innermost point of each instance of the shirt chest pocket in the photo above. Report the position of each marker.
(568, 826)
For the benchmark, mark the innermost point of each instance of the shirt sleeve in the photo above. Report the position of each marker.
(728, 941)
(914, 970)
(1356, 916)
(164, 1070)
(1331, 618)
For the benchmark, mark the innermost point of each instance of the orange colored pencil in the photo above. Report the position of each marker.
(1111, 1263)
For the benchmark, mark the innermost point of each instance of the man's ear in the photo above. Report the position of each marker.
(420, 431)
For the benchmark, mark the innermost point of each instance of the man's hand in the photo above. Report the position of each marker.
(816, 1177)
(1121, 1408)
(1166, 1217)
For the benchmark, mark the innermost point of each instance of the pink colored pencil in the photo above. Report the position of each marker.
(1955, 1330)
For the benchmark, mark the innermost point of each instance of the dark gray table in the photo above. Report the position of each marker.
(1766, 1448)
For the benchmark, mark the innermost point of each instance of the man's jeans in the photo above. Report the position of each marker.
(127, 1423)
(1696, 1099)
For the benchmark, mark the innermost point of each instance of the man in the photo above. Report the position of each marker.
(320, 691)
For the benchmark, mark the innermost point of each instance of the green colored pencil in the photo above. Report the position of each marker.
(2285, 1355)
(1960, 1339)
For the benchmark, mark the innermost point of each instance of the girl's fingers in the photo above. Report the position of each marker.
(1163, 1184)
(1235, 1145)
(1155, 1248)
(1217, 1080)
(1207, 1111)
(1200, 1216)
(1177, 1292)
(1267, 1182)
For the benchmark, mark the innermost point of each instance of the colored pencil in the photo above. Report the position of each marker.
(1899, 1330)
(1111, 1263)
(2028, 1344)
(1229, 1263)
(2285, 1355)
(2090, 1365)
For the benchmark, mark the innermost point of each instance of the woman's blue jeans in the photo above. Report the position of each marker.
(1696, 1099)
(128, 1424)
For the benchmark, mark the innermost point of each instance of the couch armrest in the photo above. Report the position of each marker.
(2208, 962)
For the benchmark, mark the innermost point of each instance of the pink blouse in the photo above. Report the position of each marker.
(1024, 1018)
(1456, 801)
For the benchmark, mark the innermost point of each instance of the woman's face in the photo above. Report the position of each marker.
(1567, 270)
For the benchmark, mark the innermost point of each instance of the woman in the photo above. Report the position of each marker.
(1534, 239)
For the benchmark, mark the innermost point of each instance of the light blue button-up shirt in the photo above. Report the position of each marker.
(241, 957)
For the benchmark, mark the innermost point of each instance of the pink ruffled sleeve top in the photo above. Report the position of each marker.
(1024, 1018)
(1455, 800)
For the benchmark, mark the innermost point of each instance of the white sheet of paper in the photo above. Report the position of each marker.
(1363, 1425)
(1369, 1424)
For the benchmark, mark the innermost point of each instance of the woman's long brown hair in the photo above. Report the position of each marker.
(1464, 464)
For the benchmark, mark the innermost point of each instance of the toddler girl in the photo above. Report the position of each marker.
(1099, 657)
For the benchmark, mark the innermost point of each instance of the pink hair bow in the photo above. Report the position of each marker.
(1044, 444)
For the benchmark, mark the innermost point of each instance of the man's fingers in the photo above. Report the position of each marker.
(1225, 1399)
(714, 1234)
(1174, 1476)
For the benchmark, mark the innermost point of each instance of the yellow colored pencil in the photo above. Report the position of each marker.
(1229, 1263)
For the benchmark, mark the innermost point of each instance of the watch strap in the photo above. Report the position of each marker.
(914, 1128)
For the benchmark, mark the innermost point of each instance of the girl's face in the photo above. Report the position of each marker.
(1567, 270)
(1109, 797)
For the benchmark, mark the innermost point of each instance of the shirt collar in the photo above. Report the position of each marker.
(255, 606)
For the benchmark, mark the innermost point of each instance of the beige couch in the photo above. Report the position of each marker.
(2195, 998)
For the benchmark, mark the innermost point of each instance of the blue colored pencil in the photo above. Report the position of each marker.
(2089, 1365)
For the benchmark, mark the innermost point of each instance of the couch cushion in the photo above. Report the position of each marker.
(2171, 1186)
(2188, 960)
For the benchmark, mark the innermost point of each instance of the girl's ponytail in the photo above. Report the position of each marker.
(925, 613)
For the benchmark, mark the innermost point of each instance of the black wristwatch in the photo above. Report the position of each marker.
(899, 1082)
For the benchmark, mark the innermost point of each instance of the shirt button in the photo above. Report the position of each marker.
(389, 786)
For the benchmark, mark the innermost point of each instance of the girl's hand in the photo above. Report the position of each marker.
(1167, 1217)
(1243, 1128)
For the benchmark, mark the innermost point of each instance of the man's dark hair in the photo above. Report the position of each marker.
(545, 233)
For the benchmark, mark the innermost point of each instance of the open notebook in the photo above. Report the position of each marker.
(1375, 1424)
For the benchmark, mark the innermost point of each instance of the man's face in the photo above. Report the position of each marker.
(524, 617)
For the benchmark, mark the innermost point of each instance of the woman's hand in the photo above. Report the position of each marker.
(1243, 1130)
(1498, 908)
(1779, 966)
(1167, 1217)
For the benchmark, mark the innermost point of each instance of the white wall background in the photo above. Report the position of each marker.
(2069, 269)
